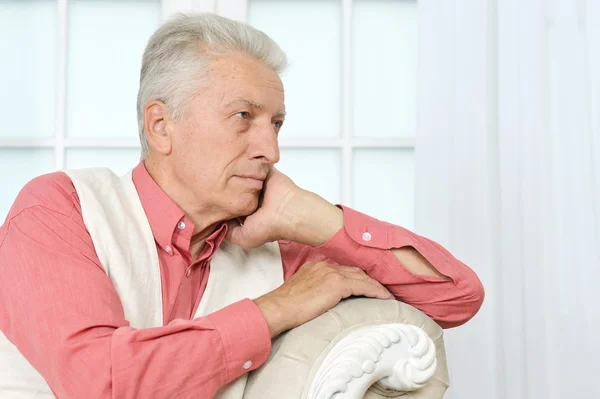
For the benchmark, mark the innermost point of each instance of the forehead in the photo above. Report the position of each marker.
(235, 77)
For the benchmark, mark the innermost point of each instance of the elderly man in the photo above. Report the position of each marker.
(171, 281)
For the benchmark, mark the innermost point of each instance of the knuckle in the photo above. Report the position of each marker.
(309, 266)
(324, 265)
(345, 290)
(334, 277)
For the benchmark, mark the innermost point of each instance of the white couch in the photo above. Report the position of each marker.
(362, 348)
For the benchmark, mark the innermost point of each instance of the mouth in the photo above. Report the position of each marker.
(254, 181)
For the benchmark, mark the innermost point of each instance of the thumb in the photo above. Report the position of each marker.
(236, 234)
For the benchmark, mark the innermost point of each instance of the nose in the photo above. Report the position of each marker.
(264, 144)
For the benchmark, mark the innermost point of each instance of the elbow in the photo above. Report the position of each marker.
(463, 307)
(475, 299)
(467, 306)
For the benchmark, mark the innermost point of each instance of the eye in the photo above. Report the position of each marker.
(244, 115)
(277, 124)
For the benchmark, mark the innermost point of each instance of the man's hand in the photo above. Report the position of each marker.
(287, 212)
(313, 290)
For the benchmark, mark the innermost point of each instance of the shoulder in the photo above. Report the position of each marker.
(50, 193)
(54, 191)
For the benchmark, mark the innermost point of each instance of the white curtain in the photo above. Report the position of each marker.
(508, 178)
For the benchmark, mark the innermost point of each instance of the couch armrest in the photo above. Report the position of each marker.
(401, 357)
(368, 348)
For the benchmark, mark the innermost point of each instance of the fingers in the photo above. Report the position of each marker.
(348, 280)
(370, 288)
(233, 233)
(314, 289)
(349, 269)
(359, 283)
(236, 234)
(352, 272)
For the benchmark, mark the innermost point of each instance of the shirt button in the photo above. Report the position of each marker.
(181, 225)
(366, 236)
(168, 249)
(247, 365)
(189, 271)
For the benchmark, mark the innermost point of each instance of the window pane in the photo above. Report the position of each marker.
(310, 34)
(119, 161)
(106, 44)
(385, 68)
(383, 185)
(28, 67)
(316, 170)
(18, 167)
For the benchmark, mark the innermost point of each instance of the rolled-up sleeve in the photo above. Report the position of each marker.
(366, 242)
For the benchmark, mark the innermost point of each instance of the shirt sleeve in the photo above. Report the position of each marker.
(366, 242)
(64, 315)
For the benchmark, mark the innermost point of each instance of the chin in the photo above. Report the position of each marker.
(245, 205)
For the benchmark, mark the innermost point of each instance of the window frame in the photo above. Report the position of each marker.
(346, 144)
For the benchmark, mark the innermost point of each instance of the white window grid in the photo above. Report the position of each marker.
(347, 144)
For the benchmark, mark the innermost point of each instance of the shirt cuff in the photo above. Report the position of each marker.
(245, 336)
(364, 240)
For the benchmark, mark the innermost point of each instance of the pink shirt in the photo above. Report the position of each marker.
(62, 312)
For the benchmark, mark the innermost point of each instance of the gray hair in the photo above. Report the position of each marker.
(176, 59)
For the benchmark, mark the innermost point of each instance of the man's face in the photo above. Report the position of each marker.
(227, 143)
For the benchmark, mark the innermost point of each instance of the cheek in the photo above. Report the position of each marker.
(212, 154)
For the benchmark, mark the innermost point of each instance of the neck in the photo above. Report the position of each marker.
(205, 219)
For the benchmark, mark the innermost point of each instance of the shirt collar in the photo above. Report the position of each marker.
(162, 213)
(214, 241)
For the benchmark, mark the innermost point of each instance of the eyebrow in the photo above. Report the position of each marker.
(253, 104)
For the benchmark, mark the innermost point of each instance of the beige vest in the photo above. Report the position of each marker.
(113, 215)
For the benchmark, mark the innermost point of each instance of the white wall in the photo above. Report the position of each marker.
(508, 177)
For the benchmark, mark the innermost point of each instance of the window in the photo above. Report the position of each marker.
(72, 81)
(350, 97)
(70, 85)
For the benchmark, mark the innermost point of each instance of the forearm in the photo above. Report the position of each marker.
(189, 358)
(317, 221)
(313, 220)
(416, 270)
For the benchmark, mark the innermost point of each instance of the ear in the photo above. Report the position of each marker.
(157, 124)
